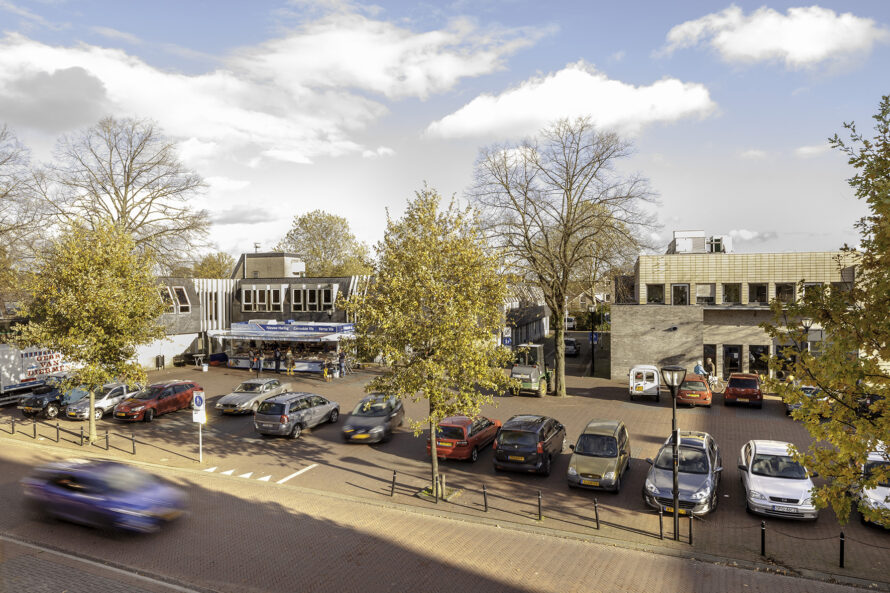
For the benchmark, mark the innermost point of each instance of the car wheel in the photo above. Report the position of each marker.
(295, 433)
(98, 413)
(545, 468)
(335, 415)
(148, 415)
(760, 406)
(51, 411)
(474, 455)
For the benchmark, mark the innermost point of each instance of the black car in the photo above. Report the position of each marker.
(374, 419)
(529, 443)
(50, 399)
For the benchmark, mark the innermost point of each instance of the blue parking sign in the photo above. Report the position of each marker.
(507, 341)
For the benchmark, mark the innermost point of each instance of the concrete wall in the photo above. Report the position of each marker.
(654, 334)
(169, 347)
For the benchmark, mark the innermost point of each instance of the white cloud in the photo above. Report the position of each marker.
(812, 150)
(381, 151)
(618, 55)
(225, 184)
(753, 154)
(117, 35)
(752, 236)
(576, 90)
(802, 38)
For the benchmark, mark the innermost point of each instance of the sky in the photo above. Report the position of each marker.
(284, 107)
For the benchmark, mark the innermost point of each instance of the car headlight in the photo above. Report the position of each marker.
(808, 501)
(651, 489)
(377, 429)
(348, 428)
(609, 476)
(703, 492)
(573, 471)
(137, 409)
(218, 405)
(755, 495)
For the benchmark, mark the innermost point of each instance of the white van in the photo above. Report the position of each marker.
(645, 380)
(570, 323)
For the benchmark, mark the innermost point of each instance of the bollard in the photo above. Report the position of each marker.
(81, 436)
(596, 512)
(763, 538)
(34, 426)
(540, 507)
(392, 490)
(442, 484)
(133, 440)
(13, 425)
(436, 489)
(485, 497)
(660, 523)
(842, 549)
(57, 432)
(690, 528)
(106, 440)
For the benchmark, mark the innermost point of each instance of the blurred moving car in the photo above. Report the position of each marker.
(103, 494)
(374, 419)
(461, 437)
(572, 347)
(104, 401)
(743, 388)
(247, 396)
(155, 400)
(775, 484)
(529, 443)
(601, 456)
(877, 499)
(288, 414)
(695, 391)
(700, 468)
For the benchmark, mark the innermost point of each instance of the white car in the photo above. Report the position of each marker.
(104, 401)
(572, 348)
(877, 498)
(774, 483)
(246, 398)
(570, 323)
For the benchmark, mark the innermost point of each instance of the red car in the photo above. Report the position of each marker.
(155, 400)
(461, 437)
(743, 388)
(695, 391)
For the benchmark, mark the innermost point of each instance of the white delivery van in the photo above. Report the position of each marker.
(644, 380)
(22, 370)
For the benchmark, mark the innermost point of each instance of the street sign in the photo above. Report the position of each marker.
(596, 337)
(199, 413)
(590, 338)
(507, 341)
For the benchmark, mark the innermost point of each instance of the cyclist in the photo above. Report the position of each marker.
(699, 369)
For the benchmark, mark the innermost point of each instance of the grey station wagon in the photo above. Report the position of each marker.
(289, 414)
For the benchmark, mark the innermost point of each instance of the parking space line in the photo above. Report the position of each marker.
(264, 479)
(210, 469)
(247, 475)
(295, 474)
(229, 472)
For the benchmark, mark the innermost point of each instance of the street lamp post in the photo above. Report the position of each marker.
(806, 323)
(673, 377)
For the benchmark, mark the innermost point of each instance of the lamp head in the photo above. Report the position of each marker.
(806, 322)
(673, 375)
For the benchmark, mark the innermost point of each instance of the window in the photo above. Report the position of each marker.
(679, 294)
(261, 300)
(296, 303)
(246, 299)
(811, 287)
(704, 294)
(183, 299)
(211, 306)
(839, 287)
(167, 297)
(785, 292)
(275, 299)
(757, 294)
(312, 300)
(732, 294)
(327, 299)
(655, 294)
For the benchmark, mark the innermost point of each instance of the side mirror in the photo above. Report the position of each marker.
(743, 467)
(649, 461)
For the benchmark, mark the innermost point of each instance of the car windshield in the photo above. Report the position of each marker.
(451, 432)
(743, 383)
(77, 394)
(596, 445)
(693, 386)
(872, 466)
(692, 461)
(106, 390)
(149, 393)
(809, 391)
(249, 387)
(517, 437)
(371, 408)
(271, 408)
(777, 466)
(121, 478)
(569, 342)
(54, 381)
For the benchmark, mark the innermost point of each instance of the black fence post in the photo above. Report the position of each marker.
(133, 440)
(540, 506)
(57, 432)
(13, 425)
(81, 436)
(106, 440)
(596, 512)
(34, 426)
(485, 498)
(763, 538)
(843, 539)
(392, 490)
(660, 523)
(436, 489)
(691, 518)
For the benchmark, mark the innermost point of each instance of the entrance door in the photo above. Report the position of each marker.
(709, 351)
(732, 359)
(756, 364)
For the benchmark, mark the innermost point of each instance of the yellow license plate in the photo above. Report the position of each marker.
(444, 444)
(692, 395)
(515, 458)
(742, 399)
(590, 482)
(671, 510)
(639, 388)
(360, 436)
(121, 414)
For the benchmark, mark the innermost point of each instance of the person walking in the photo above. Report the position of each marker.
(289, 361)
(342, 360)
(251, 359)
(261, 363)
(277, 360)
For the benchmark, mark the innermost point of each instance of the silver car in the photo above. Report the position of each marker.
(875, 501)
(289, 414)
(110, 395)
(700, 468)
(247, 397)
(774, 483)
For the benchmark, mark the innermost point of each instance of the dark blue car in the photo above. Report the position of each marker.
(103, 494)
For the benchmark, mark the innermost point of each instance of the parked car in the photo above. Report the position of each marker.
(774, 483)
(529, 443)
(743, 388)
(103, 494)
(289, 414)
(570, 323)
(104, 401)
(644, 379)
(695, 391)
(601, 456)
(51, 399)
(374, 419)
(247, 396)
(700, 468)
(155, 400)
(461, 437)
(876, 499)
(872, 406)
(572, 347)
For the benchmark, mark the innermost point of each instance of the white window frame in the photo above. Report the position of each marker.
(168, 300)
(327, 298)
(275, 299)
(297, 302)
(312, 300)
(247, 299)
(261, 300)
(187, 308)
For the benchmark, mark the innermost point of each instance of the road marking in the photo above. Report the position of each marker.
(295, 474)
(264, 479)
(247, 475)
(228, 473)
(210, 469)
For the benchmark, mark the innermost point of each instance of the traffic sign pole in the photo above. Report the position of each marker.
(199, 415)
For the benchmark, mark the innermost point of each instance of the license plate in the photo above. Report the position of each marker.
(671, 510)
(590, 482)
(784, 509)
(72, 414)
(515, 458)
(360, 436)
(638, 388)
(121, 415)
(742, 399)
(692, 395)
(444, 444)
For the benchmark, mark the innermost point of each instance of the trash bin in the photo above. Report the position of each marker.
(159, 361)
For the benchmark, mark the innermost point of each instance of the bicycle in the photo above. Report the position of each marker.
(716, 383)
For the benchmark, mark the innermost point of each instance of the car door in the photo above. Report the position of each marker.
(183, 397)
(745, 460)
(396, 412)
(623, 449)
(316, 410)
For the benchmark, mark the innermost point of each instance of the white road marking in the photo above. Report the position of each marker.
(210, 469)
(247, 475)
(228, 473)
(295, 474)
(264, 479)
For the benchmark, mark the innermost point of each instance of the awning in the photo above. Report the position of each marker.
(273, 337)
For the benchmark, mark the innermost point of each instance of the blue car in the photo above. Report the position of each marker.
(103, 494)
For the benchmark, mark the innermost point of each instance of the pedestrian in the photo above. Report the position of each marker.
(277, 360)
(262, 362)
(289, 359)
(710, 368)
(251, 359)
(325, 374)
(342, 359)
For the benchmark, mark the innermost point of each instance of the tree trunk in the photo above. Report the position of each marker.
(92, 417)
(559, 347)
(434, 459)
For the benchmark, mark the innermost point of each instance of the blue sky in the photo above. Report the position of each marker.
(285, 107)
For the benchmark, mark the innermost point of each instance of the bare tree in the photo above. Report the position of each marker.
(549, 200)
(18, 213)
(124, 171)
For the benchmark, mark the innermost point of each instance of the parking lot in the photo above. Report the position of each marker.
(321, 460)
